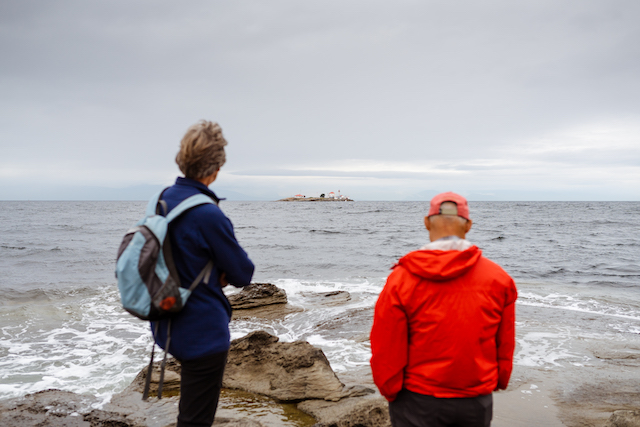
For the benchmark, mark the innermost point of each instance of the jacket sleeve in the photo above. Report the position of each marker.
(229, 257)
(506, 339)
(389, 340)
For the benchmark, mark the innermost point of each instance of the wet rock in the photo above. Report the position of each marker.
(57, 408)
(370, 411)
(627, 356)
(257, 295)
(164, 412)
(269, 312)
(170, 385)
(263, 301)
(327, 298)
(624, 419)
(60, 408)
(295, 371)
(153, 412)
(254, 350)
(263, 408)
(101, 418)
(590, 404)
(357, 391)
(236, 422)
(257, 363)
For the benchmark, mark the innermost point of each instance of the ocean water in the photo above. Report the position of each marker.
(576, 265)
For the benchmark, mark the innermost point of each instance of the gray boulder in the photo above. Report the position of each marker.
(298, 366)
(257, 295)
(295, 371)
(263, 301)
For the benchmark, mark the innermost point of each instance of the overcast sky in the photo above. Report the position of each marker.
(496, 100)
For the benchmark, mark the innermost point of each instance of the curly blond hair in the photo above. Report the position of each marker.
(201, 150)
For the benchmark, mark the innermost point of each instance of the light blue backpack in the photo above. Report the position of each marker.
(148, 282)
(147, 279)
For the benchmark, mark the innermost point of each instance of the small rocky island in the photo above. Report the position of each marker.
(313, 199)
(331, 197)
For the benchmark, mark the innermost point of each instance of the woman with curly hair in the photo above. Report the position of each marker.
(200, 332)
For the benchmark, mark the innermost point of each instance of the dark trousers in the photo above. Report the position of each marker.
(200, 389)
(418, 410)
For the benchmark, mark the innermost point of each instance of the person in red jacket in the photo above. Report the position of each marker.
(443, 332)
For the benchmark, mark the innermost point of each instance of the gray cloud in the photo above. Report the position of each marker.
(340, 174)
(106, 89)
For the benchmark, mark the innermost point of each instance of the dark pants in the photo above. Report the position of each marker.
(200, 389)
(418, 410)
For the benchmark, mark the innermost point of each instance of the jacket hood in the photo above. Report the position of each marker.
(440, 265)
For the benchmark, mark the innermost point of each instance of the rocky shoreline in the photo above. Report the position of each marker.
(289, 373)
(267, 383)
(295, 377)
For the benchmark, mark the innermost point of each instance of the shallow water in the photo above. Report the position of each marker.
(263, 409)
(576, 264)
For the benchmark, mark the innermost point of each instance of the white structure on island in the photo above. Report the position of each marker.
(338, 196)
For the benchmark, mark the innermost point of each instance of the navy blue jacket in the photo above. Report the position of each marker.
(201, 234)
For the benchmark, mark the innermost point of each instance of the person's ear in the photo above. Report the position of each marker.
(427, 223)
(467, 226)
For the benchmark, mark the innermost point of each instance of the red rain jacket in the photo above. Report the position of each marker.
(444, 326)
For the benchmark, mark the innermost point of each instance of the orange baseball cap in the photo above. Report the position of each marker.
(461, 210)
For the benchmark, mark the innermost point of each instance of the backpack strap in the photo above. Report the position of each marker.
(164, 360)
(188, 203)
(153, 203)
(204, 275)
(147, 382)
